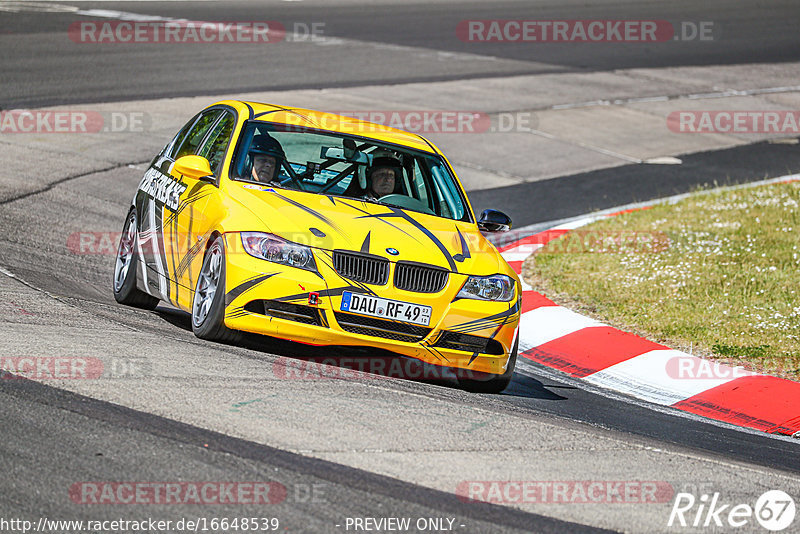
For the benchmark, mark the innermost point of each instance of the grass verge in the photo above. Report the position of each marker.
(717, 274)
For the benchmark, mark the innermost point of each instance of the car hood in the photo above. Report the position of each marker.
(333, 222)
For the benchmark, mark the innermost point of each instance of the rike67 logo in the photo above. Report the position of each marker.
(774, 510)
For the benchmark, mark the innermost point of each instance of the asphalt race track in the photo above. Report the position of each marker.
(342, 448)
(43, 73)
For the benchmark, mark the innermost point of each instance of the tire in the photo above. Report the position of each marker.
(125, 265)
(208, 302)
(495, 383)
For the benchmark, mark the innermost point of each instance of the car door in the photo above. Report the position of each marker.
(160, 203)
(194, 221)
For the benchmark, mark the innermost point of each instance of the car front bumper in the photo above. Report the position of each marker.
(272, 299)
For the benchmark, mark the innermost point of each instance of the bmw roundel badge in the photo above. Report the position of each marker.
(392, 251)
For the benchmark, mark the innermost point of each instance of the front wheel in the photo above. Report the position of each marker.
(208, 303)
(496, 383)
(125, 290)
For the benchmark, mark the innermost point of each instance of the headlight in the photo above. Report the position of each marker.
(276, 249)
(496, 287)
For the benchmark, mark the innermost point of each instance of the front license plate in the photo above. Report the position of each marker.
(385, 308)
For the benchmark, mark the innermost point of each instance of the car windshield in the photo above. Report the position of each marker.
(331, 163)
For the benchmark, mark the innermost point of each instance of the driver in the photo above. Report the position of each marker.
(382, 177)
(267, 156)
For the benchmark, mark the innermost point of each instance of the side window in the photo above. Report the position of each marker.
(214, 148)
(173, 146)
(455, 207)
(197, 133)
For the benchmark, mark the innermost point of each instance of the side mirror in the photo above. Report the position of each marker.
(196, 167)
(494, 221)
(349, 148)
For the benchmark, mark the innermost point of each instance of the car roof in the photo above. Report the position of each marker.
(309, 118)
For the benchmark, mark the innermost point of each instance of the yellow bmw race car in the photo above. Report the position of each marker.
(321, 229)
